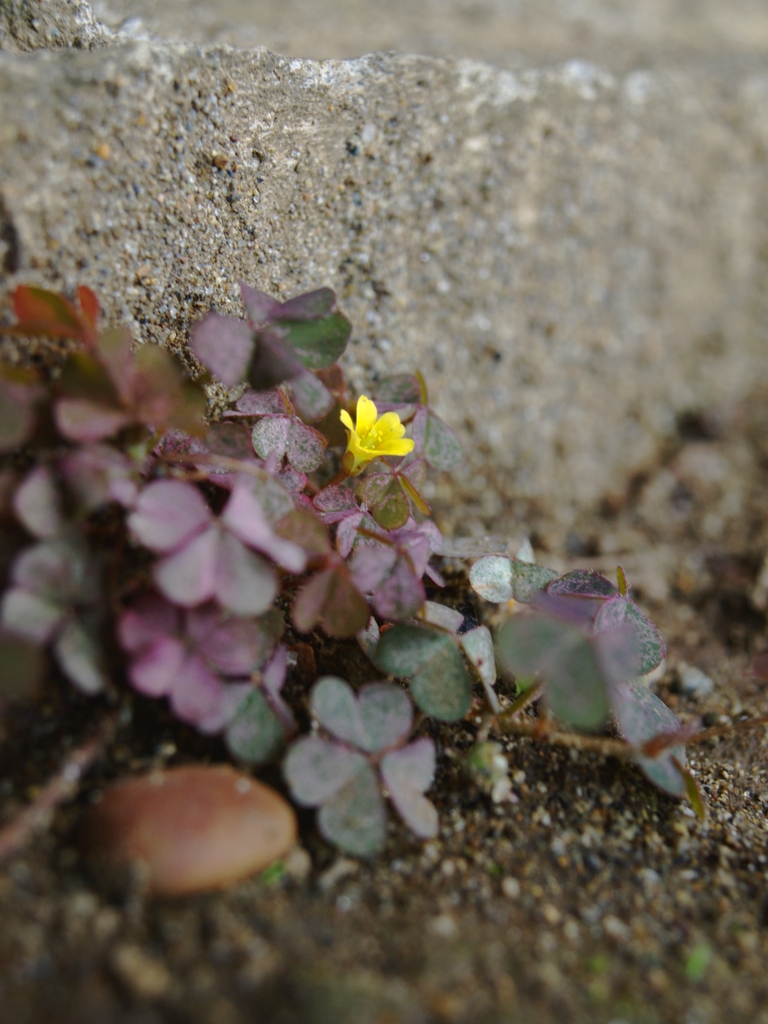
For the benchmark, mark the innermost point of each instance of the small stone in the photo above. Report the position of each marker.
(510, 887)
(190, 829)
(144, 975)
(693, 681)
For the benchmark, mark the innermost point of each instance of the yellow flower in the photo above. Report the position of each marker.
(372, 437)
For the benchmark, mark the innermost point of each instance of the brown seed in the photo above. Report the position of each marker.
(190, 829)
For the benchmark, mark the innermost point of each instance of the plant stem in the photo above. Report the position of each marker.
(61, 787)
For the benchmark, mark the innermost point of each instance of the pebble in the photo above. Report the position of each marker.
(190, 829)
(693, 681)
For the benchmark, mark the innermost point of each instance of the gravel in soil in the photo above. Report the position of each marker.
(586, 896)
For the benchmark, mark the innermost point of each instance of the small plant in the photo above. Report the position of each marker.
(151, 546)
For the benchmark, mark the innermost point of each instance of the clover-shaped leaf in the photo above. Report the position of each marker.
(287, 436)
(338, 775)
(477, 645)
(202, 660)
(263, 720)
(19, 395)
(435, 439)
(331, 598)
(432, 662)
(576, 688)
(407, 774)
(499, 579)
(642, 716)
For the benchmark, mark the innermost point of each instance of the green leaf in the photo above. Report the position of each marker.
(575, 688)
(316, 769)
(393, 510)
(440, 683)
(318, 343)
(442, 687)
(81, 658)
(255, 734)
(498, 579)
(403, 650)
(387, 715)
(620, 612)
(354, 819)
(442, 449)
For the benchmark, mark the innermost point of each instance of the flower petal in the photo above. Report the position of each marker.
(389, 428)
(367, 414)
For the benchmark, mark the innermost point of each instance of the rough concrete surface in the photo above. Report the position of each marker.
(575, 255)
(574, 259)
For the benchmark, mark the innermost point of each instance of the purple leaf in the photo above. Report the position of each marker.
(259, 306)
(37, 504)
(285, 436)
(224, 345)
(80, 420)
(275, 361)
(270, 435)
(399, 389)
(346, 531)
(244, 582)
(272, 680)
(262, 403)
(27, 615)
(316, 769)
(187, 577)
(232, 645)
(275, 501)
(331, 596)
(201, 699)
(230, 439)
(370, 567)
(584, 583)
(305, 447)
(149, 620)
(310, 601)
(80, 658)
(295, 482)
(407, 774)
(153, 672)
(309, 306)
(17, 413)
(304, 528)
(336, 502)
(245, 517)
(57, 570)
(345, 611)
(168, 513)
(402, 593)
(311, 397)
(98, 474)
